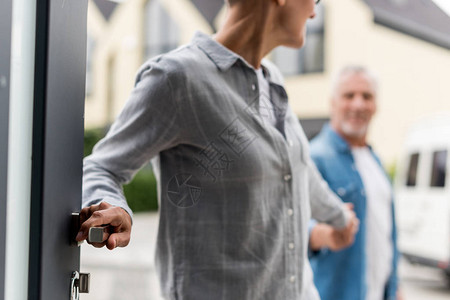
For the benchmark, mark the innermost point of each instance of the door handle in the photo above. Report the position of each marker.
(99, 234)
(96, 234)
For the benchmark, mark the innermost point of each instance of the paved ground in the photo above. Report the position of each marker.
(422, 283)
(128, 273)
(125, 273)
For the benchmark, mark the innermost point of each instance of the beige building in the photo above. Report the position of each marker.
(406, 43)
(413, 73)
(121, 36)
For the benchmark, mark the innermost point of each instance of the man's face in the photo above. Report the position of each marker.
(292, 21)
(353, 105)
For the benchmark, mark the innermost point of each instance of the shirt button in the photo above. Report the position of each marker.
(291, 143)
(341, 191)
(292, 279)
(253, 87)
(363, 193)
(287, 177)
(290, 212)
(291, 246)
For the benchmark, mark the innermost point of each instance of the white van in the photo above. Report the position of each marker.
(423, 193)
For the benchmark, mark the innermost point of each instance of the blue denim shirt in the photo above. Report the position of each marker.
(236, 193)
(341, 275)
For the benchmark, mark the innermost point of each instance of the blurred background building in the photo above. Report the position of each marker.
(406, 43)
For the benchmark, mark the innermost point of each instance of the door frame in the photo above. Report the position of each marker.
(5, 57)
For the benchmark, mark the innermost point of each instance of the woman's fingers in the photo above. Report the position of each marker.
(105, 214)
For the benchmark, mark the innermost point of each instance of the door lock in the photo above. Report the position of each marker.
(79, 284)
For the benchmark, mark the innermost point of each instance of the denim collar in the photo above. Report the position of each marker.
(223, 57)
(338, 141)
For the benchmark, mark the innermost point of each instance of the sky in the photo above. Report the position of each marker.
(444, 4)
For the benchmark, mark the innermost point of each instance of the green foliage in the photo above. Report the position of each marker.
(392, 170)
(141, 191)
(91, 137)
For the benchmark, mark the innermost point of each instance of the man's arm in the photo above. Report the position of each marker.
(325, 236)
(148, 124)
(337, 223)
(326, 207)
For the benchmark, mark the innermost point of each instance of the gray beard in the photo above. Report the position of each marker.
(354, 133)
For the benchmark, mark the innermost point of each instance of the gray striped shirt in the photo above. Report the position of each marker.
(236, 193)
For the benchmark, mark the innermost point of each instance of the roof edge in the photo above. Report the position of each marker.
(385, 18)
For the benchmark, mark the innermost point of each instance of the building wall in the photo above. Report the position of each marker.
(119, 52)
(96, 28)
(117, 56)
(412, 73)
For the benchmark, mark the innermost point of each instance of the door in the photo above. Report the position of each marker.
(58, 128)
(57, 39)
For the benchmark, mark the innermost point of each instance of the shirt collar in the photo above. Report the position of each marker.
(224, 58)
(337, 140)
(219, 54)
(271, 73)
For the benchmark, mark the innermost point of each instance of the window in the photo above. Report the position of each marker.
(308, 59)
(412, 170)
(161, 31)
(438, 169)
(312, 126)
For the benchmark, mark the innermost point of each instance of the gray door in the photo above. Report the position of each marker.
(5, 46)
(58, 126)
(55, 106)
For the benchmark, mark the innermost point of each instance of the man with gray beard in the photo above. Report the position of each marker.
(367, 270)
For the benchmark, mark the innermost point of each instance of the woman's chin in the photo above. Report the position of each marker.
(295, 43)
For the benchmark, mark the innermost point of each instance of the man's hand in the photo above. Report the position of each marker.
(326, 236)
(400, 294)
(106, 214)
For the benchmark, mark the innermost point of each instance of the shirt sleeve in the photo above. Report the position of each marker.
(148, 124)
(326, 207)
(314, 253)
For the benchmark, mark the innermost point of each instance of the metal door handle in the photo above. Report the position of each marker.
(96, 234)
(99, 234)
